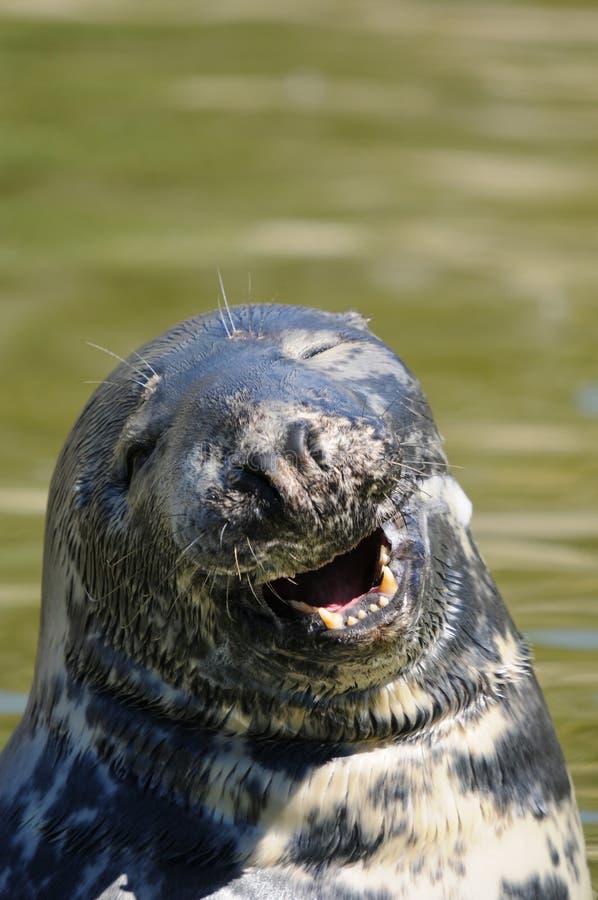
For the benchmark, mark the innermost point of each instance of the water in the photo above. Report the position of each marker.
(433, 166)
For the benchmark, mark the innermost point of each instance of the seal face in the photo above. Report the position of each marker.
(271, 661)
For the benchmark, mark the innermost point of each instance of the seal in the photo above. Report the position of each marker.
(271, 660)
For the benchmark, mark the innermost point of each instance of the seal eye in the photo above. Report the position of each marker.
(136, 456)
(309, 352)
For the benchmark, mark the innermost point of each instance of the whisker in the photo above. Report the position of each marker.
(226, 597)
(147, 363)
(409, 406)
(278, 597)
(120, 359)
(251, 550)
(237, 564)
(395, 504)
(186, 550)
(251, 588)
(415, 471)
(260, 600)
(117, 562)
(205, 581)
(226, 306)
(224, 325)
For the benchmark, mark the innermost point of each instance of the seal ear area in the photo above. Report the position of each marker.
(133, 452)
(356, 320)
(141, 433)
(135, 456)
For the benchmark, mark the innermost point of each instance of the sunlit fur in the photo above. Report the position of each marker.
(183, 741)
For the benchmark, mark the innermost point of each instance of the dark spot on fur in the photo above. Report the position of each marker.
(388, 791)
(535, 888)
(330, 836)
(526, 769)
(554, 853)
(571, 850)
(295, 759)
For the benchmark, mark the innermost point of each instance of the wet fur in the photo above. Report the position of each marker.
(179, 743)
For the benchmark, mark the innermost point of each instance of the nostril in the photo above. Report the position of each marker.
(303, 444)
(255, 476)
(316, 450)
(295, 446)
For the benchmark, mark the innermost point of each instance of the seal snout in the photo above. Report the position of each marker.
(298, 467)
(299, 448)
(279, 476)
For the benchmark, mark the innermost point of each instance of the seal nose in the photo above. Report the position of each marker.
(295, 446)
(275, 475)
(305, 444)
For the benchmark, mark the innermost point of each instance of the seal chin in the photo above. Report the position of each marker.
(355, 590)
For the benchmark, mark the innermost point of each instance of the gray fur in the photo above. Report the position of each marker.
(186, 736)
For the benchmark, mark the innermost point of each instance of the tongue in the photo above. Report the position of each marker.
(340, 583)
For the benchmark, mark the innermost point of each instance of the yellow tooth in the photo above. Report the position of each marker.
(373, 607)
(302, 607)
(361, 614)
(388, 585)
(351, 620)
(383, 601)
(384, 556)
(330, 619)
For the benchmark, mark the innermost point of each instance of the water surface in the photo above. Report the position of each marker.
(433, 166)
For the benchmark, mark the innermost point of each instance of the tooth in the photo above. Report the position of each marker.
(373, 607)
(330, 619)
(302, 607)
(388, 585)
(361, 614)
(383, 601)
(384, 556)
(351, 620)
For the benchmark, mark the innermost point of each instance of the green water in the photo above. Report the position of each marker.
(433, 165)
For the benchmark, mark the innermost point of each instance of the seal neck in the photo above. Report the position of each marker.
(252, 798)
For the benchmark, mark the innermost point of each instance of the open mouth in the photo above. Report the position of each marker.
(354, 587)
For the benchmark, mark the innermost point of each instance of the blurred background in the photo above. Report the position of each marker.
(434, 165)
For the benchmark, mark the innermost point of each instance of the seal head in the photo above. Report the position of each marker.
(271, 660)
(236, 510)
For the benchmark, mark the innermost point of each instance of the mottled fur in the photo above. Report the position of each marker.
(182, 740)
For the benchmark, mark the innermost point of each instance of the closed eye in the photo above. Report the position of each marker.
(323, 346)
(309, 352)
